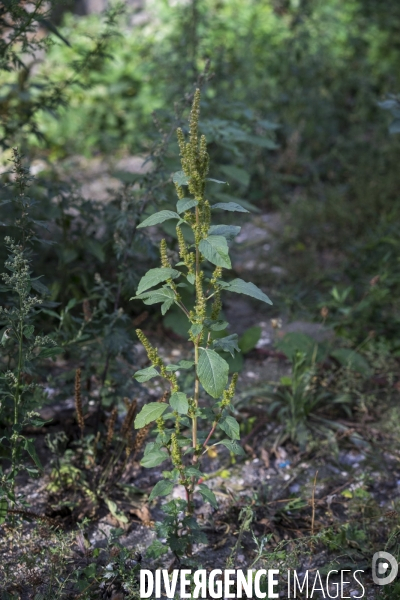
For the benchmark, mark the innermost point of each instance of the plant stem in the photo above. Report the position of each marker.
(17, 395)
(210, 434)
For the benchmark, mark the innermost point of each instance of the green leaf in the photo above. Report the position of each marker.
(218, 325)
(164, 295)
(51, 27)
(249, 289)
(180, 178)
(28, 331)
(227, 231)
(232, 447)
(162, 488)
(71, 304)
(215, 249)
(237, 174)
(212, 370)
(30, 448)
(196, 329)
(51, 313)
(158, 217)
(153, 459)
(185, 204)
(156, 549)
(3, 510)
(296, 341)
(191, 278)
(248, 340)
(39, 287)
(208, 495)
(193, 472)
(146, 374)
(231, 427)
(150, 412)
(183, 364)
(222, 197)
(228, 344)
(231, 206)
(179, 402)
(352, 360)
(96, 249)
(155, 276)
(112, 507)
(49, 352)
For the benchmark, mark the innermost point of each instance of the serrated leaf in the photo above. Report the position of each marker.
(232, 447)
(215, 249)
(249, 289)
(212, 371)
(153, 459)
(180, 178)
(230, 206)
(155, 276)
(352, 360)
(30, 448)
(179, 402)
(208, 495)
(146, 374)
(229, 232)
(162, 488)
(231, 427)
(185, 204)
(228, 344)
(158, 217)
(150, 412)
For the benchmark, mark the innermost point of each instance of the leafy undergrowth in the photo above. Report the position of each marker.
(330, 505)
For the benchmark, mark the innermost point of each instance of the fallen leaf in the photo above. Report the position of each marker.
(142, 512)
(264, 455)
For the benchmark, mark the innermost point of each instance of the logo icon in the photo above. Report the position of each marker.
(380, 568)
